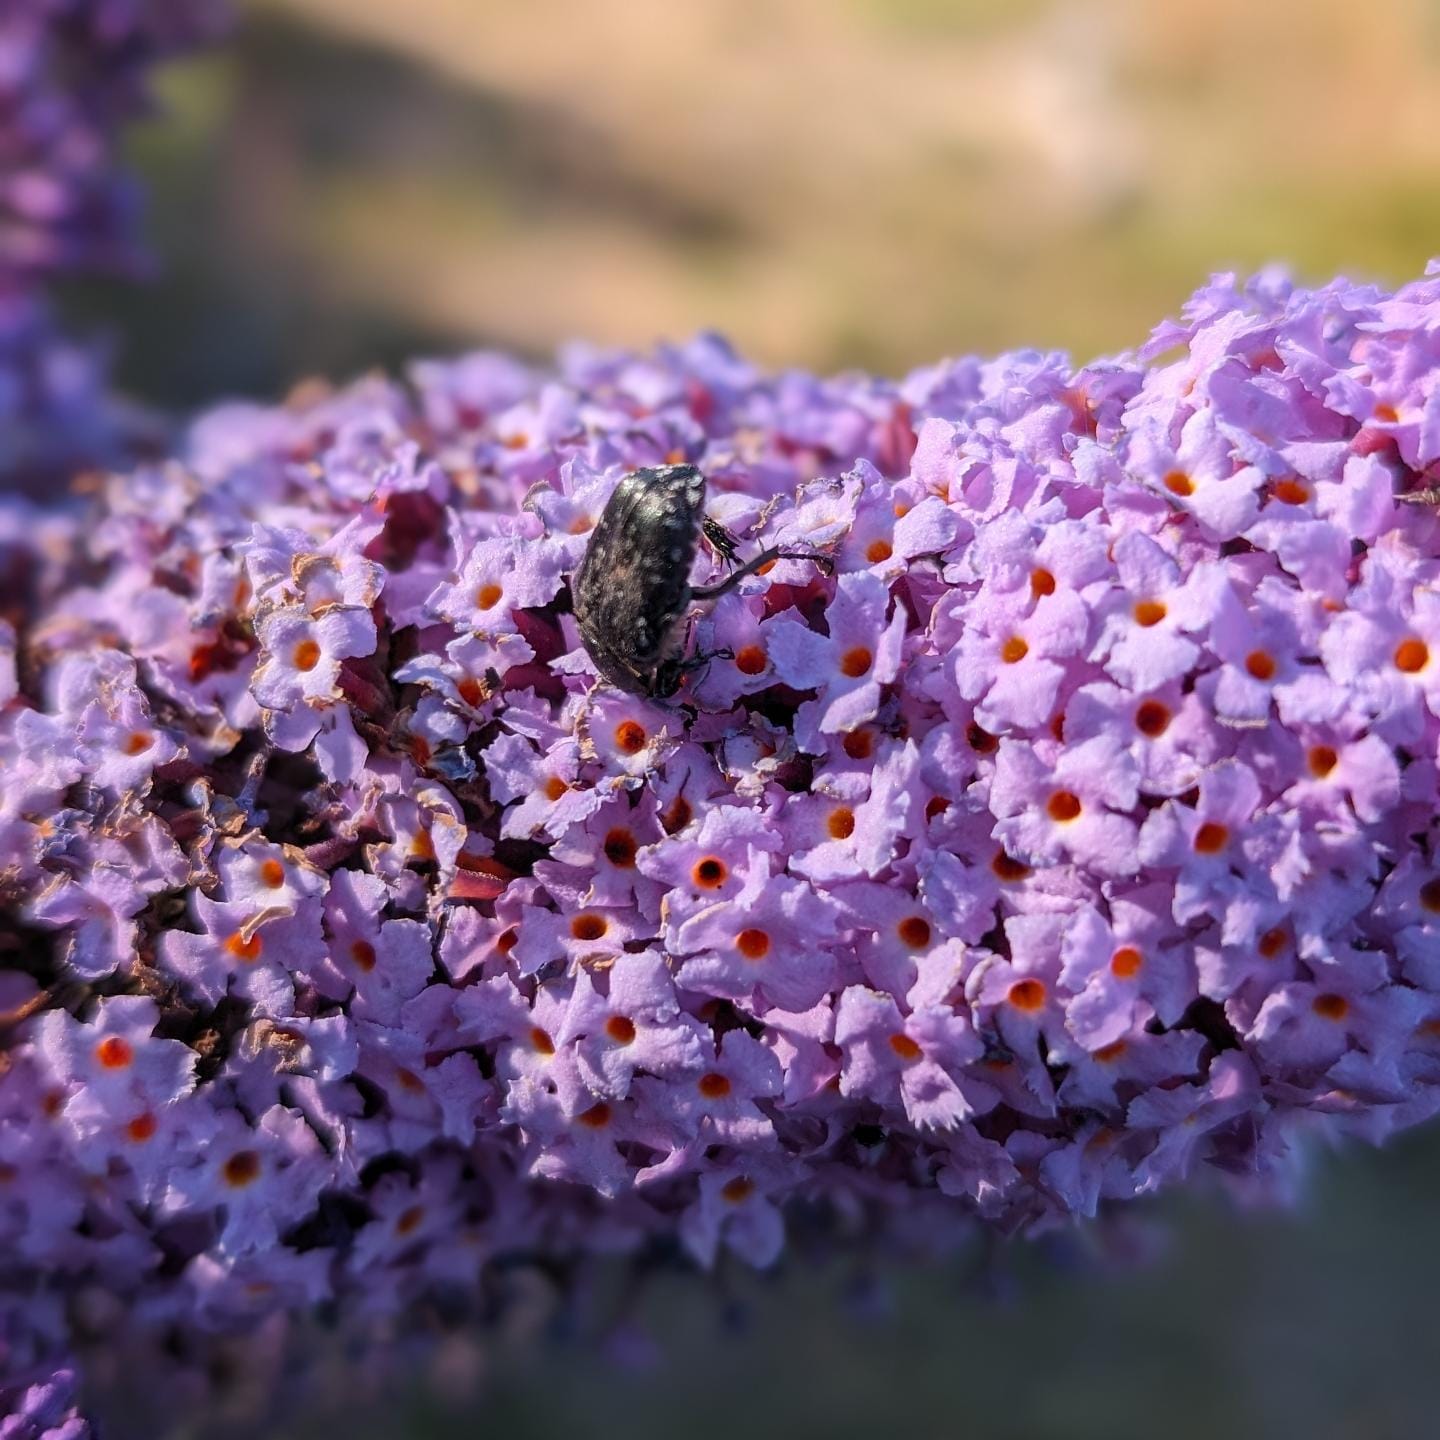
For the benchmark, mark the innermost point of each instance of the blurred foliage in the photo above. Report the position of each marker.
(872, 182)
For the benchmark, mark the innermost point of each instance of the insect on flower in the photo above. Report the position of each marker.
(633, 591)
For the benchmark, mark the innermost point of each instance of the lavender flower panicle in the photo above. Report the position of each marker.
(73, 74)
(1076, 836)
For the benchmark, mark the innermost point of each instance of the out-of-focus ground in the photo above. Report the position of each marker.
(831, 182)
(837, 182)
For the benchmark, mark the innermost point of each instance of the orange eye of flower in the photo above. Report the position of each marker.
(1260, 665)
(142, 1128)
(1125, 963)
(507, 940)
(750, 660)
(879, 550)
(241, 1169)
(589, 927)
(272, 873)
(362, 952)
(1148, 613)
(753, 944)
(1430, 895)
(1042, 582)
(1290, 492)
(409, 1220)
(713, 1085)
(541, 1042)
(620, 848)
(914, 931)
(470, 690)
(1152, 718)
(555, 787)
(1331, 1007)
(678, 815)
(1211, 839)
(841, 823)
(621, 1029)
(1177, 482)
(936, 805)
(1014, 650)
(1064, 806)
(114, 1053)
(710, 873)
(1007, 868)
(1027, 994)
(630, 737)
(859, 744)
(138, 742)
(738, 1190)
(487, 597)
(856, 662)
(243, 949)
(982, 742)
(306, 655)
(1386, 414)
(1411, 656)
(1322, 760)
(597, 1117)
(1106, 1053)
(905, 1048)
(1273, 942)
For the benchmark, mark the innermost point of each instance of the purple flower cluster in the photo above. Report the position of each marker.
(1078, 833)
(73, 73)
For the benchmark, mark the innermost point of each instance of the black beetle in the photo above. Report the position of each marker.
(632, 590)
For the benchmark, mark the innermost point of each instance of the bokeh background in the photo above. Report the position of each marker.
(835, 183)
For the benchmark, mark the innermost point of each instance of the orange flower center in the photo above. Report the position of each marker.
(1177, 482)
(272, 873)
(241, 1169)
(1290, 492)
(905, 1048)
(1014, 650)
(620, 848)
(138, 742)
(114, 1053)
(982, 742)
(410, 1220)
(1430, 895)
(142, 1128)
(1042, 582)
(541, 1042)
(630, 737)
(1411, 656)
(487, 597)
(1107, 1053)
(555, 787)
(1027, 994)
(1211, 839)
(859, 744)
(243, 949)
(841, 823)
(589, 927)
(753, 944)
(738, 1190)
(306, 655)
(710, 873)
(1322, 760)
(362, 952)
(879, 550)
(1125, 963)
(1148, 613)
(713, 1085)
(1007, 868)
(1152, 718)
(1064, 806)
(856, 662)
(1272, 943)
(597, 1117)
(750, 660)
(621, 1029)
(1331, 1007)
(1260, 665)
(914, 931)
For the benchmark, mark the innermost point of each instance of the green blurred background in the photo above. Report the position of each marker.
(836, 182)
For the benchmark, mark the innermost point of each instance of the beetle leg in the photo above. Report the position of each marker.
(722, 542)
(713, 592)
(1428, 496)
